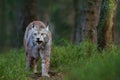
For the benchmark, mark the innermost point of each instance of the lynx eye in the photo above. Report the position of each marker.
(42, 34)
(35, 34)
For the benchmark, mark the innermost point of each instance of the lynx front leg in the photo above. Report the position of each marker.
(45, 64)
(35, 63)
(45, 67)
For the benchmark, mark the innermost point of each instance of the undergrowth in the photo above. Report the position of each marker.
(80, 62)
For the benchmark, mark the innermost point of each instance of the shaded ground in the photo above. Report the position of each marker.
(53, 76)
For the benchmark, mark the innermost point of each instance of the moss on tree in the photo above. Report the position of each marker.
(105, 26)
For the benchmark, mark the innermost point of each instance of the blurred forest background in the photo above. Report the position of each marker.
(70, 20)
(91, 26)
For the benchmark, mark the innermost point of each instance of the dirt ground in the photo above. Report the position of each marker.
(53, 76)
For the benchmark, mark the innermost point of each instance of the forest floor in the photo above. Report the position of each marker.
(53, 76)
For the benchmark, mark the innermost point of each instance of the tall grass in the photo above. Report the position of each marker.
(80, 62)
(12, 65)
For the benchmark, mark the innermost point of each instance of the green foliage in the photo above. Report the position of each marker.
(104, 66)
(12, 65)
(80, 62)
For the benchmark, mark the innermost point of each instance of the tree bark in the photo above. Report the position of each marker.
(92, 18)
(86, 20)
(105, 27)
(79, 21)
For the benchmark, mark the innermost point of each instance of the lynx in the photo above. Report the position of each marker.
(37, 44)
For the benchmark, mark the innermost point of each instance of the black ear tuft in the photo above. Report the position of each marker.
(47, 23)
(33, 25)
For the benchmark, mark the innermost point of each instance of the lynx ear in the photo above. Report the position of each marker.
(47, 27)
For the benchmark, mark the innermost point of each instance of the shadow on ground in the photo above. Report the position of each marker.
(53, 76)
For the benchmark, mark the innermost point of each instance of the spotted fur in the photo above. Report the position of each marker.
(37, 43)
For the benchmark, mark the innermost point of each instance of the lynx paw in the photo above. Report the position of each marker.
(46, 75)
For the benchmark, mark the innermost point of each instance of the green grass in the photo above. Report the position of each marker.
(81, 62)
(12, 65)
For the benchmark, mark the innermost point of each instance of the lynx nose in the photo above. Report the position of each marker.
(37, 39)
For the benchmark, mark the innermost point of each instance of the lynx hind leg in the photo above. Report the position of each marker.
(45, 65)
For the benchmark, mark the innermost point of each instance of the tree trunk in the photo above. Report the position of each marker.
(92, 17)
(3, 24)
(105, 26)
(28, 15)
(29, 12)
(79, 21)
(117, 25)
(86, 20)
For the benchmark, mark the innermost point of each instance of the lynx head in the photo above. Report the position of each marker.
(40, 35)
